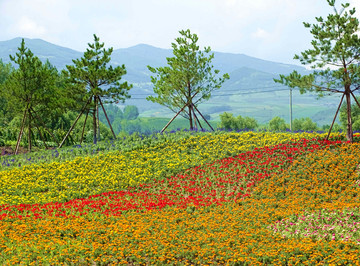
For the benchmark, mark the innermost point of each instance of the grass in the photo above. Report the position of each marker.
(229, 198)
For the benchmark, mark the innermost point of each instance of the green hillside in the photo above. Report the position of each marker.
(250, 91)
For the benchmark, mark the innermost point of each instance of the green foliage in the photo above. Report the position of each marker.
(113, 112)
(5, 70)
(336, 43)
(188, 79)
(277, 124)
(30, 91)
(305, 124)
(134, 126)
(131, 112)
(336, 128)
(93, 79)
(127, 121)
(93, 73)
(32, 84)
(5, 114)
(229, 122)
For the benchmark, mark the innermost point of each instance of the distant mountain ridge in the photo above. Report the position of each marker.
(139, 56)
(248, 75)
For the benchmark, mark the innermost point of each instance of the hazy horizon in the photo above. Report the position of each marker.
(268, 29)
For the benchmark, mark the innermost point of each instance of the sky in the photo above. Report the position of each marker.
(267, 29)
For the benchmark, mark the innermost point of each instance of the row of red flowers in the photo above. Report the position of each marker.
(227, 179)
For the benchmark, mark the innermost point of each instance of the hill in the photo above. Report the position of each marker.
(250, 91)
(249, 198)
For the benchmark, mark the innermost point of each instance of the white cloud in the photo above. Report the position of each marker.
(260, 34)
(28, 27)
(239, 26)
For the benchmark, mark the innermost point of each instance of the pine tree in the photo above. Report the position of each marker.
(188, 79)
(98, 80)
(29, 88)
(334, 58)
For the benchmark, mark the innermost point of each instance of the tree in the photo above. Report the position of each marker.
(305, 124)
(131, 112)
(29, 88)
(188, 79)
(99, 80)
(113, 111)
(5, 70)
(277, 124)
(229, 122)
(337, 44)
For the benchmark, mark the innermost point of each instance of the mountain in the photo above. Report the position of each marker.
(57, 55)
(250, 91)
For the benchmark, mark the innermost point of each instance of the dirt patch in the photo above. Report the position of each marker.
(7, 150)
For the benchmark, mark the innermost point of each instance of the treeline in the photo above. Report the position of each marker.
(127, 122)
(41, 105)
(229, 122)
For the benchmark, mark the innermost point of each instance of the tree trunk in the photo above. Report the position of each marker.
(98, 118)
(29, 133)
(349, 131)
(189, 103)
(190, 119)
(94, 121)
(291, 114)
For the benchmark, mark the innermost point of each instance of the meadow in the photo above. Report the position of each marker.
(184, 198)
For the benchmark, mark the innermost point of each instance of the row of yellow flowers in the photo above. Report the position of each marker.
(236, 233)
(86, 176)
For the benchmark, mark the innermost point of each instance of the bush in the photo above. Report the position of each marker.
(229, 122)
(305, 124)
(277, 124)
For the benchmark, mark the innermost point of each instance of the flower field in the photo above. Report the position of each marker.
(207, 198)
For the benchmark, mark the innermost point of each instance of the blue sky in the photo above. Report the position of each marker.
(267, 29)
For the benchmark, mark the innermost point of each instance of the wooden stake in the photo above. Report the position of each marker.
(196, 118)
(328, 135)
(179, 113)
(21, 130)
(83, 130)
(349, 131)
(355, 99)
(73, 125)
(173, 118)
(42, 122)
(107, 118)
(204, 118)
